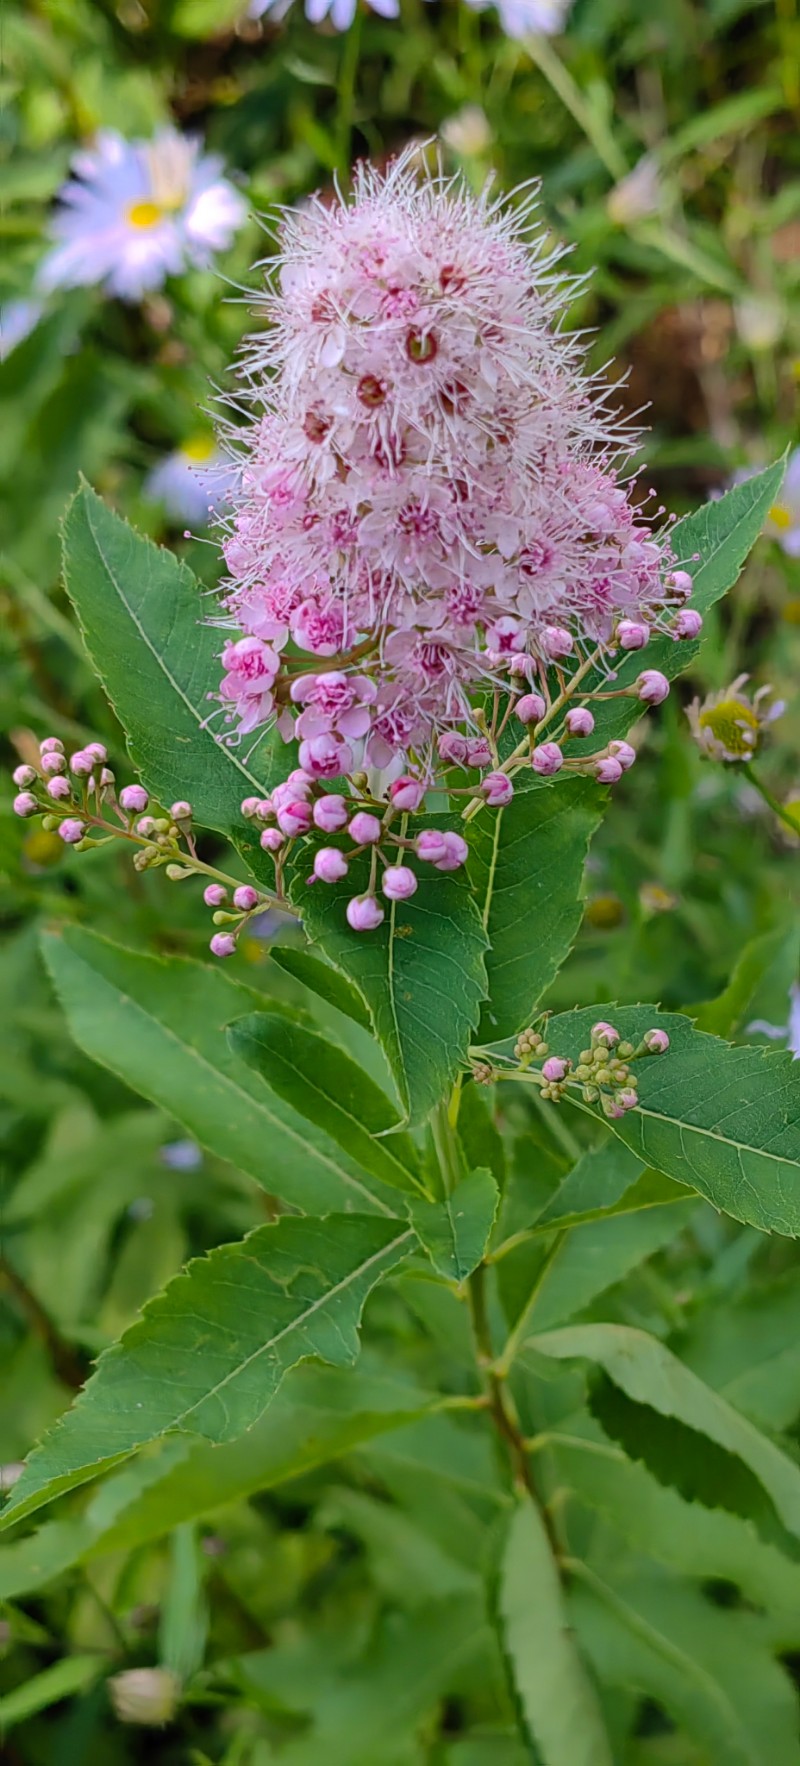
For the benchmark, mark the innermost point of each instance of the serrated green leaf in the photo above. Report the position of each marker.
(651, 1375)
(455, 1232)
(159, 1023)
(747, 1350)
(552, 1686)
(421, 975)
(323, 1085)
(209, 1353)
(323, 980)
(593, 1256)
(143, 619)
(526, 865)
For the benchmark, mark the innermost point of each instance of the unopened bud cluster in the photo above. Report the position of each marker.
(604, 1071)
(91, 812)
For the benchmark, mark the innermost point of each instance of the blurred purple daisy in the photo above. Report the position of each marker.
(135, 212)
(192, 482)
(339, 13)
(524, 18)
(18, 318)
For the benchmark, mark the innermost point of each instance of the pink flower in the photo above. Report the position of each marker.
(214, 895)
(623, 753)
(530, 709)
(456, 853)
(330, 813)
(25, 804)
(133, 799)
(407, 793)
(687, 624)
(251, 666)
(608, 770)
(604, 1034)
(53, 763)
(497, 789)
(633, 634)
(579, 721)
(364, 913)
(333, 702)
(365, 828)
(557, 642)
(330, 865)
(547, 759)
(555, 1069)
(653, 687)
(24, 776)
(294, 819)
(431, 845)
(271, 840)
(223, 944)
(72, 831)
(656, 1042)
(398, 883)
(51, 745)
(59, 789)
(326, 756)
(245, 898)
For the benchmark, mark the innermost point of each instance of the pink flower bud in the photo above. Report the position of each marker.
(605, 1034)
(453, 747)
(72, 831)
(24, 776)
(521, 667)
(365, 829)
(330, 865)
(479, 753)
(364, 913)
(25, 804)
(623, 753)
(497, 789)
(80, 763)
(330, 813)
(59, 789)
(295, 818)
(272, 840)
(300, 781)
(627, 1098)
(656, 1042)
(557, 642)
(326, 757)
(214, 895)
(547, 759)
(633, 634)
(398, 882)
(106, 776)
(98, 751)
(181, 811)
(431, 845)
(608, 770)
(555, 1069)
(653, 687)
(146, 827)
(223, 944)
(579, 721)
(51, 745)
(245, 898)
(612, 1109)
(680, 583)
(687, 624)
(530, 709)
(264, 807)
(249, 806)
(407, 793)
(456, 853)
(133, 798)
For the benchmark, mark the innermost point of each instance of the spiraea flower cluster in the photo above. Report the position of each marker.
(604, 1074)
(431, 538)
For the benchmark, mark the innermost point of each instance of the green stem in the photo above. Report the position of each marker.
(447, 1147)
(763, 790)
(348, 70)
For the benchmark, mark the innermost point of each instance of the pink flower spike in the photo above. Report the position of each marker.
(608, 771)
(547, 759)
(496, 789)
(249, 806)
(431, 845)
(623, 753)
(25, 804)
(295, 819)
(398, 882)
(245, 898)
(579, 721)
(71, 831)
(557, 642)
(214, 895)
(633, 634)
(530, 709)
(132, 798)
(687, 624)
(24, 776)
(330, 813)
(365, 828)
(80, 763)
(330, 865)
(456, 853)
(604, 1034)
(272, 840)
(364, 913)
(51, 745)
(555, 1069)
(59, 789)
(223, 944)
(653, 687)
(656, 1042)
(407, 793)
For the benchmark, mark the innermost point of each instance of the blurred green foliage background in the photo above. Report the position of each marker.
(666, 137)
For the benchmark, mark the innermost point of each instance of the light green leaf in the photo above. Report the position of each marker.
(526, 866)
(322, 1084)
(159, 1024)
(143, 618)
(747, 1350)
(209, 1353)
(722, 1120)
(607, 1180)
(421, 975)
(455, 1232)
(770, 958)
(592, 1256)
(553, 1688)
(62, 1681)
(651, 1375)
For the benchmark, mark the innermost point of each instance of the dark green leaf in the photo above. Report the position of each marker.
(455, 1232)
(326, 982)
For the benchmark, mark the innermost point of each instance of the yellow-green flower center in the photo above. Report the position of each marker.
(145, 214)
(198, 448)
(734, 724)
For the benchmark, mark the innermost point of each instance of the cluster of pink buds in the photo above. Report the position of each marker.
(91, 813)
(604, 1072)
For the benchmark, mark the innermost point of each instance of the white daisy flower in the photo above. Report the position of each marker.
(135, 212)
(191, 482)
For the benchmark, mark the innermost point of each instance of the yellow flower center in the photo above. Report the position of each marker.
(145, 214)
(780, 517)
(734, 724)
(198, 448)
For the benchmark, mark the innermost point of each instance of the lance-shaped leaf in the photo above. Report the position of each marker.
(421, 974)
(722, 1120)
(209, 1353)
(159, 1024)
(322, 1084)
(143, 616)
(455, 1232)
(651, 1375)
(526, 865)
(552, 1686)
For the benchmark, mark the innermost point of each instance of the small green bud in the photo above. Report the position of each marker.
(50, 823)
(220, 918)
(625, 1050)
(176, 873)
